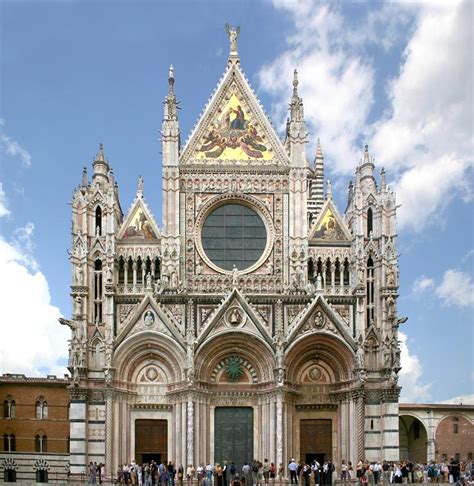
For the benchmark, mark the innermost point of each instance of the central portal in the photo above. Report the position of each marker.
(151, 440)
(315, 440)
(233, 439)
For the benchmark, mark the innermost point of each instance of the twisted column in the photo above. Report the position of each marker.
(190, 434)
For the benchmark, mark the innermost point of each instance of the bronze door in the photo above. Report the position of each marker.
(233, 435)
(151, 440)
(316, 439)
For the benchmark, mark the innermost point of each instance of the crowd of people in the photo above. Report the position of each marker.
(257, 473)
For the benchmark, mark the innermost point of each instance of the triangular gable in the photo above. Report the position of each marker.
(247, 321)
(234, 128)
(329, 227)
(160, 322)
(139, 224)
(335, 325)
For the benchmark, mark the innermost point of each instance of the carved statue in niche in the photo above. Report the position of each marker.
(390, 276)
(78, 306)
(319, 319)
(148, 281)
(235, 317)
(198, 268)
(235, 276)
(360, 355)
(148, 318)
(108, 275)
(79, 275)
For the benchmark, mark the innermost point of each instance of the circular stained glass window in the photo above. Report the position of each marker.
(233, 235)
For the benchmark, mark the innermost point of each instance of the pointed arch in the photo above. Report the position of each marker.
(98, 221)
(370, 221)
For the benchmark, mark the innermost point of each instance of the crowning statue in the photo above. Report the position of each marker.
(233, 35)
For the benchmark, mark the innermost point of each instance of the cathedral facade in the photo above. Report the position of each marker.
(256, 321)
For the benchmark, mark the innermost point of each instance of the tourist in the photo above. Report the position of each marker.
(306, 475)
(219, 475)
(224, 473)
(180, 475)
(246, 470)
(190, 473)
(209, 470)
(171, 472)
(235, 480)
(200, 474)
(293, 468)
(376, 470)
(272, 472)
(281, 473)
(255, 468)
(232, 471)
(316, 467)
(397, 474)
(344, 471)
(91, 473)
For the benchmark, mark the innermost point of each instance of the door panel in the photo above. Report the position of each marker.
(233, 440)
(316, 438)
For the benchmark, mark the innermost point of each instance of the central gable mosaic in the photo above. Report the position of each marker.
(234, 134)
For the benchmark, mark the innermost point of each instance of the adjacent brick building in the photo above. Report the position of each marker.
(34, 427)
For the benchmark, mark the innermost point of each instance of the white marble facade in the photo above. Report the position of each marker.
(162, 329)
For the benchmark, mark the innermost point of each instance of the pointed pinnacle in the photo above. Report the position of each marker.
(319, 150)
(295, 81)
(100, 155)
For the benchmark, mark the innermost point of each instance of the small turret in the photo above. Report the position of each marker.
(367, 172)
(101, 167)
(296, 128)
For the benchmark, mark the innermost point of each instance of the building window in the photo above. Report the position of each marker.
(41, 409)
(370, 292)
(370, 221)
(9, 442)
(233, 235)
(41, 443)
(9, 476)
(9, 408)
(455, 425)
(98, 221)
(41, 476)
(98, 291)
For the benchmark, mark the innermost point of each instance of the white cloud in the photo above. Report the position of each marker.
(13, 148)
(421, 284)
(456, 288)
(413, 390)
(4, 211)
(464, 399)
(32, 339)
(427, 136)
(336, 85)
(424, 138)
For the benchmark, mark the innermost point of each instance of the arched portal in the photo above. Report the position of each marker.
(319, 364)
(413, 439)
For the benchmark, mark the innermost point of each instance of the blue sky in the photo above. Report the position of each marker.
(397, 76)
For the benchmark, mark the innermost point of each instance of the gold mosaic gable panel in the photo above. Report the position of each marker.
(139, 226)
(328, 228)
(233, 133)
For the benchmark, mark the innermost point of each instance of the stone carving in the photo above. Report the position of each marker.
(233, 36)
(235, 317)
(149, 318)
(79, 275)
(78, 306)
(315, 374)
(319, 320)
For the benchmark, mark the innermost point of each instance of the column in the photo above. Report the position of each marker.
(108, 433)
(279, 430)
(134, 267)
(360, 425)
(190, 434)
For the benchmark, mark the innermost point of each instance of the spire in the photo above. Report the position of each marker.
(84, 177)
(296, 105)
(233, 34)
(101, 166)
(296, 129)
(317, 184)
(367, 171)
(171, 103)
(383, 182)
